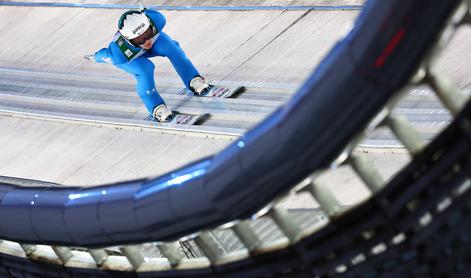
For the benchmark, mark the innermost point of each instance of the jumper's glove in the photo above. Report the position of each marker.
(90, 57)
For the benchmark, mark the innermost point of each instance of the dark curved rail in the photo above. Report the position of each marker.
(351, 85)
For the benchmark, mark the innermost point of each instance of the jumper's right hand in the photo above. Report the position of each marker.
(90, 57)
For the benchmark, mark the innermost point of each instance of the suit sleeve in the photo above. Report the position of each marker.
(103, 56)
(158, 18)
(110, 55)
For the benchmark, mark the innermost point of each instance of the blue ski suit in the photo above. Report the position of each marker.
(135, 60)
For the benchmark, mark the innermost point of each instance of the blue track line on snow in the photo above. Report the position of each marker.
(185, 8)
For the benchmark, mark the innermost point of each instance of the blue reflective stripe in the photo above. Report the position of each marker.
(87, 194)
(175, 179)
(187, 8)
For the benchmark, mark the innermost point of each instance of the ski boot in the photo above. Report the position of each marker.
(199, 86)
(162, 113)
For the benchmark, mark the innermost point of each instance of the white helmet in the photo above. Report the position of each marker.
(132, 24)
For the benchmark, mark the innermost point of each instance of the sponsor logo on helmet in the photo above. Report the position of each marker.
(138, 27)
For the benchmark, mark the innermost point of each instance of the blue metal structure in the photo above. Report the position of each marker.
(351, 85)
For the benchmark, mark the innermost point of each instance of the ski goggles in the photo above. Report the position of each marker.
(147, 35)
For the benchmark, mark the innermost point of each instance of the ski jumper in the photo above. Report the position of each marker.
(135, 60)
